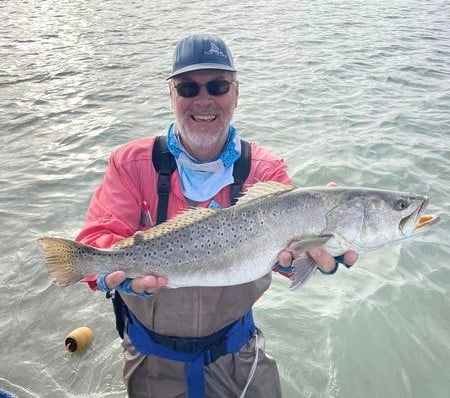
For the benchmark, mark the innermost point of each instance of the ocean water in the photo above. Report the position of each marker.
(349, 91)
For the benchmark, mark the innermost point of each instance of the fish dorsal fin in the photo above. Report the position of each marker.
(182, 220)
(263, 189)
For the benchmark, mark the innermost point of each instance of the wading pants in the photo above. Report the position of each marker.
(153, 377)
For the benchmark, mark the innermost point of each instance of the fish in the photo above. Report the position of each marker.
(239, 244)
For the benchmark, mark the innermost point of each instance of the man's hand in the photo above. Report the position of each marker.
(323, 259)
(143, 284)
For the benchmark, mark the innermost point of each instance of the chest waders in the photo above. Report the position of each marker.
(196, 352)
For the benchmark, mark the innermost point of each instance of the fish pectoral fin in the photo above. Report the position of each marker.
(304, 243)
(304, 268)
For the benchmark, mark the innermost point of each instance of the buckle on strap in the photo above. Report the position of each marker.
(215, 342)
(226, 341)
(197, 352)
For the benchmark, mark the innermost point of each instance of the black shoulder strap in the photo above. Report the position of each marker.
(119, 308)
(164, 163)
(240, 171)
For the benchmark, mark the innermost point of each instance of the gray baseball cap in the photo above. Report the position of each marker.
(197, 52)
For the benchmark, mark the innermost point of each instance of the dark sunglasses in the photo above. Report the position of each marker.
(214, 87)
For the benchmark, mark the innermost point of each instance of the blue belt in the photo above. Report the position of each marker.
(197, 352)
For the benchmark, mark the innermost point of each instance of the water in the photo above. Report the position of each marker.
(347, 91)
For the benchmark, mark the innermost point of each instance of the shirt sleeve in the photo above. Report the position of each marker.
(267, 167)
(113, 212)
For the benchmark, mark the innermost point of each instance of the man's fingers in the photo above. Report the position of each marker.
(148, 283)
(114, 279)
(350, 257)
(325, 261)
(285, 258)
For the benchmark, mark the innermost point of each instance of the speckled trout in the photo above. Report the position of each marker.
(220, 247)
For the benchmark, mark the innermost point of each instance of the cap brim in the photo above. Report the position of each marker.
(202, 66)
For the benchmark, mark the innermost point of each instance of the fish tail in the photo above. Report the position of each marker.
(60, 256)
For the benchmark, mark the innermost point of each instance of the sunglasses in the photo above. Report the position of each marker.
(213, 87)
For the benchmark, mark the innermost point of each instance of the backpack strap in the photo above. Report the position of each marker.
(241, 171)
(119, 308)
(164, 163)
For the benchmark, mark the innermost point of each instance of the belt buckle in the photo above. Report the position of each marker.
(214, 352)
(187, 345)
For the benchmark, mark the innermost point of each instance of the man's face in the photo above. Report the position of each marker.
(203, 120)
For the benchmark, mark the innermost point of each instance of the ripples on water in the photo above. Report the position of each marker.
(347, 91)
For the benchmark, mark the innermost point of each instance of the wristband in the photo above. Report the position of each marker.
(286, 271)
(101, 284)
(123, 287)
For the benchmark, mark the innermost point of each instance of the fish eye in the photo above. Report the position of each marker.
(401, 204)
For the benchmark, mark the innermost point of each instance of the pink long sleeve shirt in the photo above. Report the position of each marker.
(120, 207)
(126, 201)
(129, 190)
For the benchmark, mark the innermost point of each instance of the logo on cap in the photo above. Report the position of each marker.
(215, 50)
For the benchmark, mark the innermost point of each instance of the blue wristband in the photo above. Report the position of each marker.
(285, 270)
(123, 287)
(101, 284)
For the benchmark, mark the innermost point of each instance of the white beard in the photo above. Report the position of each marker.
(204, 142)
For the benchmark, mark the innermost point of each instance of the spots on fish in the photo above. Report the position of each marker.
(227, 246)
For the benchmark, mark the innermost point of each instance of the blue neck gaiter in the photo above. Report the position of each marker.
(200, 181)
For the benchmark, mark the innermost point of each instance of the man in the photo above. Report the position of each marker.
(167, 330)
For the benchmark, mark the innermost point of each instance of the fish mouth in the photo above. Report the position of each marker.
(408, 224)
(426, 219)
(417, 221)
